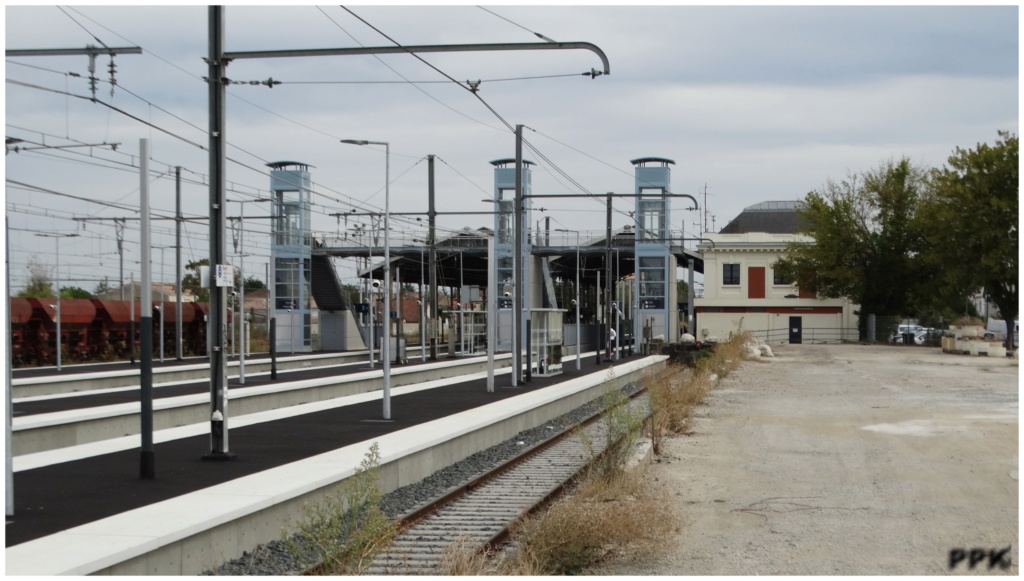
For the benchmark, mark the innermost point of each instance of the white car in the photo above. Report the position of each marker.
(920, 334)
(995, 330)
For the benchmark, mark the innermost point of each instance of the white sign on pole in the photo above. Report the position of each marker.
(225, 275)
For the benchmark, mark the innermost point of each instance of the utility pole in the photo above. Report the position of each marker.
(605, 332)
(177, 263)
(216, 83)
(517, 266)
(119, 228)
(147, 469)
(9, 416)
(432, 243)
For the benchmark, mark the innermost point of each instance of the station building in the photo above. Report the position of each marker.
(742, 292)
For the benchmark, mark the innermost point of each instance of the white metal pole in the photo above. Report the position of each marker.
(423, 310)
(131, 317)
(369, 293)
(163, 304)
(579, 346)
(462, 311)
(9, 416)
(387, 276)
(399, 328)
(241, 292)
(386, 347)
(492, 309)
(56, 242)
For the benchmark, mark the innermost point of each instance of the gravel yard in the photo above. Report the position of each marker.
(845, 460)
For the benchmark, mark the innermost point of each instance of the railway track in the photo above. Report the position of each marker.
(481, 512)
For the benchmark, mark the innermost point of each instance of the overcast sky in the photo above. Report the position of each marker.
(753, 103)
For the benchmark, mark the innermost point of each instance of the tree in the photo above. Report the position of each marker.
(352, 291)
(193, 283)
(682, 290)
(866, 240)
(101, 287)
(74, 292)
(970, 217)
(252, 283)
(39, 284)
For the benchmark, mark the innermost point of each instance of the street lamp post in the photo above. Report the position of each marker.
(579, 347)
(386, 344)
(56, 241)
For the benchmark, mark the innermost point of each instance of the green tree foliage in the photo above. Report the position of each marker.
(101, 288)
(74, 292)
(970, 219)
(352, 291)
(193, 283)
(253, 283)
(39, 284)
(866, 240)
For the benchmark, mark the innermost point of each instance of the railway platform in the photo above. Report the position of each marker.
(89, 513)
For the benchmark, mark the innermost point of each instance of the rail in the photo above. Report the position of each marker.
(537, 477)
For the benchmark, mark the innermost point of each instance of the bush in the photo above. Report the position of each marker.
(345, 531)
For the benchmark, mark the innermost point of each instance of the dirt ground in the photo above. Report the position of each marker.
(845, 460)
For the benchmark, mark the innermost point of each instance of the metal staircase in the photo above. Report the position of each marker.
(325, 286)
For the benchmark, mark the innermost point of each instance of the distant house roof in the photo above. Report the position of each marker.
(776, 217)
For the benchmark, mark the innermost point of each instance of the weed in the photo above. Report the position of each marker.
(348, 529)
(673, 395)
(601, 516)
(623, 424)
(463, 557)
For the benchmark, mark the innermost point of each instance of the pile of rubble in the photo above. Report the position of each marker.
(970, 340)
(756, 349)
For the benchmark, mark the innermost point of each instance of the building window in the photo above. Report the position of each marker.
(731, 274)
(779, 278)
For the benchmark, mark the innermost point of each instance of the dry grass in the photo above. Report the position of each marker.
(725, 357)
(463, 558)
(673, 394)
(602, 517)
(967, 321)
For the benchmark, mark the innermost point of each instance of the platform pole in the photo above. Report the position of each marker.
(147, 470)
(492, 310)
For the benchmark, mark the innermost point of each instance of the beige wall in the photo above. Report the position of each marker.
(760, 249)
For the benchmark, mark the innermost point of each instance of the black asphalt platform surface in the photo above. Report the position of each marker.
(55, 498)
(82, 400)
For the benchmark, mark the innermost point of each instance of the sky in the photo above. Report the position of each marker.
(752, 103)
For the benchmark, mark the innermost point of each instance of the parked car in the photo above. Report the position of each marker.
(995, 330)
(920, 334)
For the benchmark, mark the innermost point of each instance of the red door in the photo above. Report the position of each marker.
(755, 288)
